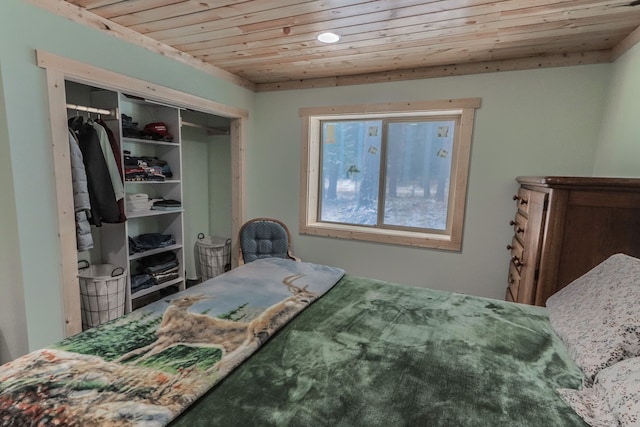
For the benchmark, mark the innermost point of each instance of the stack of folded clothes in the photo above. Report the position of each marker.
(134, 173)
(148, 241)
(129, 127)
(138, 202)
(145, 168)
(167, 205)
(154, 270)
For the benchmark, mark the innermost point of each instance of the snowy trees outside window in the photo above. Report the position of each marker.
(393, 173)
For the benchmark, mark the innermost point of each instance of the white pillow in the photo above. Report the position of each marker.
(598, 315)
(614, 399)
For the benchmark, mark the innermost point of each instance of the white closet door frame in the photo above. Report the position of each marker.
(59, 69)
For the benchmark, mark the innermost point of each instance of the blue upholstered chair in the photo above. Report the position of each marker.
(264, 238)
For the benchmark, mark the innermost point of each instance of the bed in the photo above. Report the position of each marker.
(300, 344)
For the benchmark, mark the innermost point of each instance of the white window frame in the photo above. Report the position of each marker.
(310, 171)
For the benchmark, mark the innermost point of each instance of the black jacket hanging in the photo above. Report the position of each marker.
(104, 207)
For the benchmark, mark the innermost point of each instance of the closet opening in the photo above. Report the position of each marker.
(179, 160)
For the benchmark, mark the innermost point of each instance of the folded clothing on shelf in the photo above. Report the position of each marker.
(138, 202)
(129, 127)
(145, 168)
(134, 173)
(154, 173)
(166, 276)
(167, 205)
(159, 263)
(141, 281)
(148, 241)
(154, 270)
(144, 280)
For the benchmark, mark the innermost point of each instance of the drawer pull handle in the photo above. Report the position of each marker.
(509, 247)
(511, 279)
(522, 201)
(516, 261)
(519, 229)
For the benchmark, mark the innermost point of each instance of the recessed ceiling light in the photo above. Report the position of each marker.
(328, 37)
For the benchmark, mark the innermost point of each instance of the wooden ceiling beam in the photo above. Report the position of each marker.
(627, 43)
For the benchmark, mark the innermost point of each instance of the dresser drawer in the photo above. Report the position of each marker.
(519, 225)
(509, 297)
(517, 253)
(513, 283)
(522, 200)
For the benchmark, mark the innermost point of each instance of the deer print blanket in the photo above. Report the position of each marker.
(145, 368)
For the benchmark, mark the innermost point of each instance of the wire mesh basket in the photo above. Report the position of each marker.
(214, 255)
(102, 293)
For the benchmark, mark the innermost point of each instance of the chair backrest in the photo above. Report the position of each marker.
(264, 238)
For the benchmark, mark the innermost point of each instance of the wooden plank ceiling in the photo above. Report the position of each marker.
(272, 43)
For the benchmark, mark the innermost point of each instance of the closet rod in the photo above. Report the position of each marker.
(215, 131)
(89, 109)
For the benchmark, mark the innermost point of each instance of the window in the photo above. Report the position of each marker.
(394, 173)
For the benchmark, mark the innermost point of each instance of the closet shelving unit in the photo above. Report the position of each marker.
(111, 243)
(155, 221)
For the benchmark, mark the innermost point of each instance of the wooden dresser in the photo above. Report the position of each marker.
(565, 226)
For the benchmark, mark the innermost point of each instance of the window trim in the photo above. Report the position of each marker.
(310, 174)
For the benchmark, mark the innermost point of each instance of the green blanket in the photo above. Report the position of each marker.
(377, 354)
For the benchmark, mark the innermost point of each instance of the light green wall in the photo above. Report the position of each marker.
(35, 260)
(206, 189)
(219, 186)
(530, 123)
(195, 192)
(619, 148)
(13, 340)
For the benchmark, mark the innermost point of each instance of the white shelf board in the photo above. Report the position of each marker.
(152, 289)
(143, 214)
(150, 252)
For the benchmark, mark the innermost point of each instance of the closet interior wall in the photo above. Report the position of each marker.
(206, 150)
(200, 159)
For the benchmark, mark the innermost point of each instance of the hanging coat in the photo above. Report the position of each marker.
(104, 207)
(81, 203)
(109, 157)
(115, 147)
